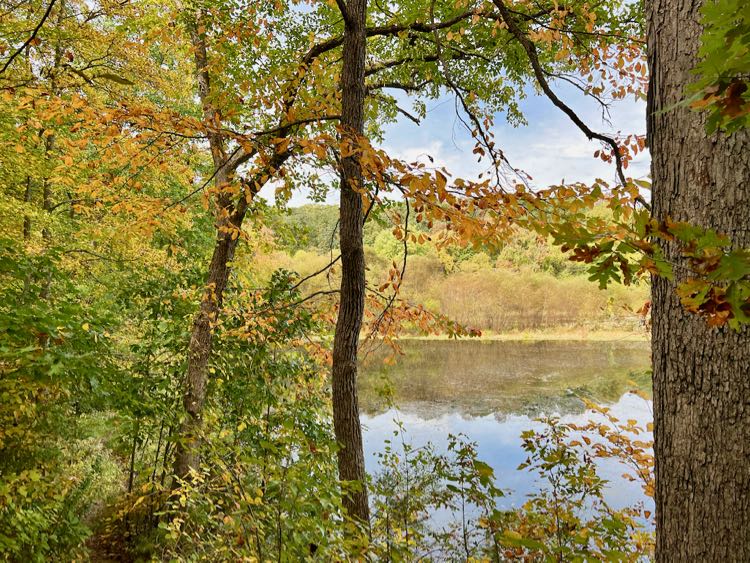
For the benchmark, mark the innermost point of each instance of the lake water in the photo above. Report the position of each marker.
(492, 391)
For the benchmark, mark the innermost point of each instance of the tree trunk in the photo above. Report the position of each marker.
(187, 450)
(346, 341)
(701, 374)
(26, 217)
(230, 216)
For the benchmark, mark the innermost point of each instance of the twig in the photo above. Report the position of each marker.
(316, 273)
(402, 273)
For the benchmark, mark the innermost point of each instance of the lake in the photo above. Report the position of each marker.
(493, 390)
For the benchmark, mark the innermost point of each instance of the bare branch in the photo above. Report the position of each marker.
(316, 273)
(407, 87)
(392, 298)
(385, 65)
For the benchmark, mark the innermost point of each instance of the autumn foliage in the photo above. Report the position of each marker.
(164, 396)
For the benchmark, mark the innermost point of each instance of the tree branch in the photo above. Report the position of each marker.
(407, 87)
(344, 12)
(31, 38)
(539, 73)
(385, 30)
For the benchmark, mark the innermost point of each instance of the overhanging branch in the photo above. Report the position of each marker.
(539, 73)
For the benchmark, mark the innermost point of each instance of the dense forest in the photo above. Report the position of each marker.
(182, 343)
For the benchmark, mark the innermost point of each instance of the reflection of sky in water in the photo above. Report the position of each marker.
(479, 378)
(500, 444)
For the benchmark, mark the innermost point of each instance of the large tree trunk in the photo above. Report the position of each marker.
(346, 341)
(701, 374)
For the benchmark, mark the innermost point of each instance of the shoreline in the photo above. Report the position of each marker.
(540, 336)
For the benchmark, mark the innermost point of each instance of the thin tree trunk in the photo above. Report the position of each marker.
(187, 450)
(49, 147)
(701, 374)
(346, 341)
(26, 217)
(27, 231)
(49, 140)
(230, 214)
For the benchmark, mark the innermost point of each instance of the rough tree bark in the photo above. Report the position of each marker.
(187, 450)
(346, 340)
(701, 374)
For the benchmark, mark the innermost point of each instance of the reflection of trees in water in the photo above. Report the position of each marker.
(479, 378)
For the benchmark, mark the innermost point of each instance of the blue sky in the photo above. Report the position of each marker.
(550, 148)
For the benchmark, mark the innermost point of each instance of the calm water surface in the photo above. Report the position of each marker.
(492, 391)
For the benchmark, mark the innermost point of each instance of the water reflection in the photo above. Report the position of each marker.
(492, 391)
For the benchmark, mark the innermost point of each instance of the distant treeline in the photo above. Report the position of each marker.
(527, 284)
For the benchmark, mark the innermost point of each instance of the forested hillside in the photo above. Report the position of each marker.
(524, 283)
